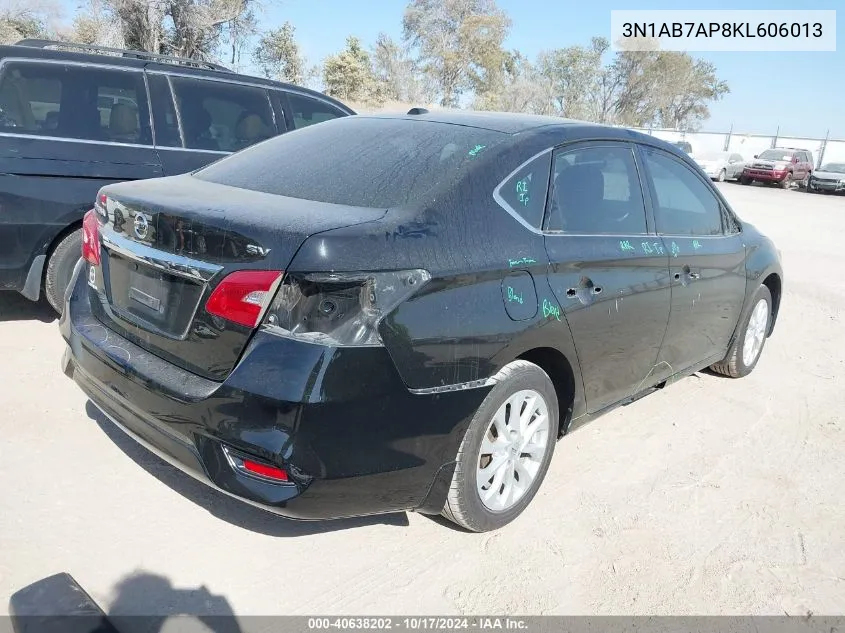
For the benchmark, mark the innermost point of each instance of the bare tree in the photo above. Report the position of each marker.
(20, 19)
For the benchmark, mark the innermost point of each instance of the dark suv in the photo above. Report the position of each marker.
(781, 165)
(385, 313)
(75, 118)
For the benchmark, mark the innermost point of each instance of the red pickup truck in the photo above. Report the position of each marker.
(781, 165)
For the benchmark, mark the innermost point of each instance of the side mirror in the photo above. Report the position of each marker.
(755, 155)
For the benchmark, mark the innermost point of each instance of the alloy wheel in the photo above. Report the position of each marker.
(512, 450)
(755, 333)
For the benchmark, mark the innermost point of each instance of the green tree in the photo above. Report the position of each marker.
(349, 75)
(573, 75)
(279, 57)
(398, 72)
(458, 43)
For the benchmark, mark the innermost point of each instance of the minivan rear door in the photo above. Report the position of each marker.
(66, 129)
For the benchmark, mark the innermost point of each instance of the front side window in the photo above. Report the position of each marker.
(77, 102)
(596, 191)
(684, 205)
(307, 111)
(220, 116)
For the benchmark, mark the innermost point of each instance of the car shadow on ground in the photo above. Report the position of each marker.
(16, 307)
(222, 506)
(143, 603)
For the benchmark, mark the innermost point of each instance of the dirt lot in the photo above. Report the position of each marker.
(712, 496)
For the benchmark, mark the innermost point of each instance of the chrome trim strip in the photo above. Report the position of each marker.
(66, 139)
(188, 149)
(174, 264)
(501, 201)
(461, 386)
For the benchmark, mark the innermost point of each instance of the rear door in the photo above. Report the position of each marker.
(66, 130)
(706, 261)
(608, 271)
(213, 119)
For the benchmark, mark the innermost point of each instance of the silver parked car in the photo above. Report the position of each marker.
(720, 165)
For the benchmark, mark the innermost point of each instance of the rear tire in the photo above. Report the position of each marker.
(743, 355)
(497, 436)
(60, 268)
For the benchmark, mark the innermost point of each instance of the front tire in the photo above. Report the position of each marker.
(60, 268)
(722, 175)
(745, 180)
(743, 355)
(506, 451)
(786, 183)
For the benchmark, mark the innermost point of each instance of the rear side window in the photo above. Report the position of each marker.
(307, 111)
(358, 161)
(596, 191)
(220, 116)
(684, 204)
(77, 102)
(524, 193)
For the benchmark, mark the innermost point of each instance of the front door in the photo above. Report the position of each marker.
(706, 262)
(607, 270)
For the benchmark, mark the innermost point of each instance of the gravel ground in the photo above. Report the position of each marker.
(714, 496)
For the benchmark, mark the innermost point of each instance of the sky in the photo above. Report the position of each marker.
(802, 93)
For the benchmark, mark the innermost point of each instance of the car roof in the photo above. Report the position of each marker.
(505, 122)
(39, 50)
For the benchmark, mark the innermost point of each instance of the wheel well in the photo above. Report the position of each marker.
(773, 283)
(70, 228)
(559, 370)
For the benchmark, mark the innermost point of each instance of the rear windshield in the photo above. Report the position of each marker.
(357, 161)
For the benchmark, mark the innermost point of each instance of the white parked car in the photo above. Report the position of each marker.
(720, 165)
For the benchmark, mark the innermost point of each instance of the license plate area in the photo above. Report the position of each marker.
(152, 297)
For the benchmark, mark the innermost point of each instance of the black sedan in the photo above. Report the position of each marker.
(385, 313)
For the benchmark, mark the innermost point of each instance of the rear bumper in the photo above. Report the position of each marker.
(352, 437)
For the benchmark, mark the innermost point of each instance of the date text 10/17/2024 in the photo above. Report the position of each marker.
(418, 623)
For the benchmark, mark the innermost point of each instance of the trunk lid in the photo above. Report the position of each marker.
(167, 243)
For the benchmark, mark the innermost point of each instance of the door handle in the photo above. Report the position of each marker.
(694, 275)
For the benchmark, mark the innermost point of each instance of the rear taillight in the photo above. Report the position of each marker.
(242, 296)
(341, 309)
(91, 238)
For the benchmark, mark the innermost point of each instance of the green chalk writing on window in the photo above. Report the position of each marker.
(475, 150)
(521, 261)
(522, 191)
(625, 245)
(675, 249)
(514, 296)
(550, 310)
(696, 244)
